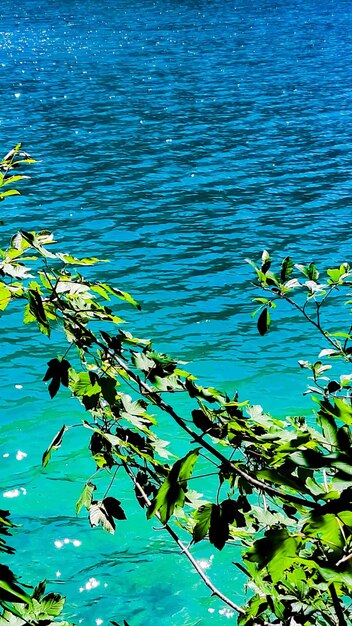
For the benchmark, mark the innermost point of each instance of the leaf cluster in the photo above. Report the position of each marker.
(281, 489)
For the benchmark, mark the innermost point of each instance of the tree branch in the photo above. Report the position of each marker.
(185, 550)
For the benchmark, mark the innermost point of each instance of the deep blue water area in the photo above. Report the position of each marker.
(174, 138)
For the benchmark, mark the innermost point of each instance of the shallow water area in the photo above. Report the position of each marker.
(174, 138)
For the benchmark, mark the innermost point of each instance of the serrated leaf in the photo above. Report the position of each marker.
(39, 590)
(113, 508)
(84, 384)
(52, 605)
(98, 516)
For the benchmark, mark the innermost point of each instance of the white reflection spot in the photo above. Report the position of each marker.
(226, 612)
(66, 541)
(20, 455)
(58, 574)
(91, 584)
(77, 543)
(204, 563)
(19, 386)
(24, 491)
(98, 621)
(13, 493)
(17, 95)
(6, 455)
(58, 544)
(211, 610)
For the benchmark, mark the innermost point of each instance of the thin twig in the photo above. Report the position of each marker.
(185, 550)
(337, 606)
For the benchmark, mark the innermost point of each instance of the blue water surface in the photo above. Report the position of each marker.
(174, 138)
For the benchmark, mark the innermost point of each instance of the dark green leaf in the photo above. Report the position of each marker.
(113, 508)
(286, 269)
(263, 322)
(202, 516)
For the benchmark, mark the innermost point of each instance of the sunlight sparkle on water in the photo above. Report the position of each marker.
(92, 583)
(205, 563)
(59, 543)
(20, 455)
(226, 612)
(14, 493)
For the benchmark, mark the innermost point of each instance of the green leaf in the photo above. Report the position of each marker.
(85, 499)
(37, 310)
(103, 512)
(202, 517)
(266, 262)
(11, 592)
(329, 428)
(113, 508)
(303, 269)
(222, 516)
(172, 491)
(263, 322)
(84, 384)
(219, 528)
(55, 445)
(71, 260)
(57, 373)
(52, 605)
(39, 590)
(123, 295)
(326, 528)
(308, 458)
(10, 192)
(277, 551)
(183, 468)
(286, 269)
(340, 409)
(169, 495)
(5, 296)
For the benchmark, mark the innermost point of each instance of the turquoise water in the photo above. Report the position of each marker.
(175, 138)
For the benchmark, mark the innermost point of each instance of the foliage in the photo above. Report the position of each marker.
(282, 488)
(18, 607)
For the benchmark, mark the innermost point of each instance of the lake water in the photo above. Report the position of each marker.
(175, 138)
